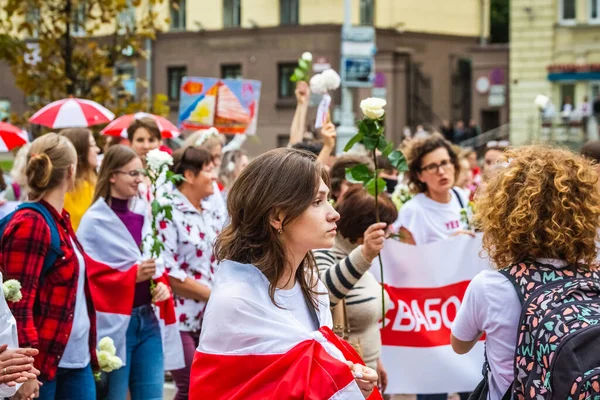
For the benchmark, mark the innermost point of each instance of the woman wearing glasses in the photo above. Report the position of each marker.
(434, 213)
(120, 275)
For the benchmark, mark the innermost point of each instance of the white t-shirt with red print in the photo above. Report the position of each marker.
(429, 221)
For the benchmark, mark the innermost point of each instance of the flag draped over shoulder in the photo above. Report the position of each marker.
(251, 349)
(112, 271)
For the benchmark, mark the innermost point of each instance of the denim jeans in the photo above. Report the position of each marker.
(70, 384)
(143, 372)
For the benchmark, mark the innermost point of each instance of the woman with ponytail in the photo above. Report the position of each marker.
(40, 250)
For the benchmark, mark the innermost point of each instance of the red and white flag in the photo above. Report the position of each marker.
(250, 349)
(112, 275)
(427, 284)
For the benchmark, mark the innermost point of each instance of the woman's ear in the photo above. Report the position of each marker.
(189, 175)
(276, 220)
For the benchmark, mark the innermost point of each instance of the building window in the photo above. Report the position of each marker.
(78, 18)
(367, 12)
(231, 71)
(128, 80)
(126, 18)
(288, 12)
(567, 96)
(568, 11)
(174, 77)
(33, 18)
(232, 13)
(595, 11)
(286, 88)
(178, 15)
(283, 140)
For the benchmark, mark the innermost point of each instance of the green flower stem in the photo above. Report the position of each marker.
(377, 219)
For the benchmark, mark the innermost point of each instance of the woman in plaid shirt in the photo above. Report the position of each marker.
(56, 314)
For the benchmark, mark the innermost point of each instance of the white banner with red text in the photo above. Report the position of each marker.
(426, 285)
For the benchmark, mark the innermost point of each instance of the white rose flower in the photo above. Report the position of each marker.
(318, 84)
(373, 107)
(541, 101)
(332, 79)
(12, 290)
(108, 345)
(156, 159)
(307, 56)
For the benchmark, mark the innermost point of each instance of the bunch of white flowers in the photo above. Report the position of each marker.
(325, 81)
(156, 159)
(12, 290)
(107, 355)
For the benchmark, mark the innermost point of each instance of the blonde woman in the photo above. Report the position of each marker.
(17, 190)
(80, 198)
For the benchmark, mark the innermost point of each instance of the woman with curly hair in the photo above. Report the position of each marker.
(541, 211)
(434, 213)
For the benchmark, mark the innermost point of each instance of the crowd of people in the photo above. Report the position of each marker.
(263, 256)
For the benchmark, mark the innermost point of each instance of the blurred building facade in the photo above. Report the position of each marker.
(431, 62)
(555, 52)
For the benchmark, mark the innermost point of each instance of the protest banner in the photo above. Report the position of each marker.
(230, 105)
(426, 285)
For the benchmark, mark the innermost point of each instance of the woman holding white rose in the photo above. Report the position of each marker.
(112, 235)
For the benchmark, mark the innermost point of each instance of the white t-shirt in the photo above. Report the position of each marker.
(293, 301)
(429, 221)
(77, 352)
(491, 305)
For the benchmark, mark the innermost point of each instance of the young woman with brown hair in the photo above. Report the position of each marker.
(121, 277)
(266, 330)
(80, 198)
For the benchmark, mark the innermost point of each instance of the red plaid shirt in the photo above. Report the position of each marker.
(45, 314)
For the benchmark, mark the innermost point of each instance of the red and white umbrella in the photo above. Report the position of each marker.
(72, 113)
(119, 126)
(11, 137)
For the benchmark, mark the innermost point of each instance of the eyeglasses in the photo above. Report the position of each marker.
(134, 174)
(433, 168)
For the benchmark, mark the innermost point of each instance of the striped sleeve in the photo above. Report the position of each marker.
(338, 273)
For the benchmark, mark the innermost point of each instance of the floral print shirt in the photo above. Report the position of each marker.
(188, 252)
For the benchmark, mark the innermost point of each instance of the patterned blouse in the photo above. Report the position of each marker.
(188, 252)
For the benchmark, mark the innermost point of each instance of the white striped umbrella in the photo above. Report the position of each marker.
(11, 137)
(72, 113)
(119, 126)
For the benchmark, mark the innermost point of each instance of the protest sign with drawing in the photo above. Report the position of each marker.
(427, 284)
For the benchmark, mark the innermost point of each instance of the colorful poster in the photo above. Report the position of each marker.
(230, 105)
(427, 284)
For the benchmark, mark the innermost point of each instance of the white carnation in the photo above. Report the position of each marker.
(332, 79)
(12, 290)
(103, 357)
(373, 107)
(318, 84)
(114, 363)
(156, 159)
(108, 345)
(541, 101)
(307, 56)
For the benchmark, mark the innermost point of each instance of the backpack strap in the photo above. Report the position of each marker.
(458, 197)
(54, 252)
(16, 190)
(511, 279)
